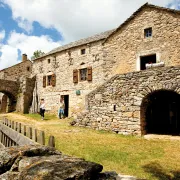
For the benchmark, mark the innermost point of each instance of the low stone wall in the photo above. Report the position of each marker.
(45, 163)
(116, 105)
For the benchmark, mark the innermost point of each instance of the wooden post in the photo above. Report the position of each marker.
(4, 121)
(42, 138)
(19, 129)
(51, 142)
(16, 129)
(34, 135)
(12, 124)
(24, 130)
(30, 132)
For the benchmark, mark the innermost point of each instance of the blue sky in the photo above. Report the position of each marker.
(46, 24)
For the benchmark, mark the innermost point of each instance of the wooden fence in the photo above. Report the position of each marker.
(17, 134)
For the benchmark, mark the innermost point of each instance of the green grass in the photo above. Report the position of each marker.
(150, 159)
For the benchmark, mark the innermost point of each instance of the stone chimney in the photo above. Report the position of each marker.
(24, 57)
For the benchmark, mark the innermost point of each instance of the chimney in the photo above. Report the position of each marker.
(24, 57)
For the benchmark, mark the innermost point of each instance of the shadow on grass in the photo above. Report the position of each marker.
(159, 173)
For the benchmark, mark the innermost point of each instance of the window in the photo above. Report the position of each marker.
(28, 68)
(49, 61)
(150, 59)
(83, 74)
(148, 32)
(83, 51)
(49, 80)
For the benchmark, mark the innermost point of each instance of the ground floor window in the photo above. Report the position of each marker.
(147, 60)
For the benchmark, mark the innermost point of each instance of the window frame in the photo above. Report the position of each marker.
(49, 81)
(83, 51)
(148, 32)
(84, 77)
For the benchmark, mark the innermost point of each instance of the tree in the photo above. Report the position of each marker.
(37, 54)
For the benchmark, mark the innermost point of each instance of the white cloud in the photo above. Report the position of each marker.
(26, 44)
(76, 18)
(2, 35)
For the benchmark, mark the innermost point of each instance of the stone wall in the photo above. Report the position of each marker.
(123, 49)
(62, 65)
(119, 53)
(116, 105)
(17, 71)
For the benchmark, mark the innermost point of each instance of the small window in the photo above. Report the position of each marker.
(83, 74)
(148, 32)
(49, 61)
(49, 80)
(83, 51)
(28, 68)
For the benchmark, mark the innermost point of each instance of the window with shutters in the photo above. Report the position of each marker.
(49, 80)
(44, 81)
(53, 80)
(83, 74)
(75, 76)
(89, 73)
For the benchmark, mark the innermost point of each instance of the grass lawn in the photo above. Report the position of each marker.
(149, 159)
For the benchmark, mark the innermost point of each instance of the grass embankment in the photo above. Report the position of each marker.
(150, 159)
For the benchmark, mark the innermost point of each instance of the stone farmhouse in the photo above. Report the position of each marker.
(125, 80)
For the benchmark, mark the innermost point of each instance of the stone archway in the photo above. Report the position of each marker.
(160, 113)
(8, 103)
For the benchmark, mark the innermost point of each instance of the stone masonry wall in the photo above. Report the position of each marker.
(116, 105)
(13, 73)
(62, 64)
(123, 49)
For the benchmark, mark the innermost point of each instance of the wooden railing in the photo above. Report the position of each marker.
(17, 134)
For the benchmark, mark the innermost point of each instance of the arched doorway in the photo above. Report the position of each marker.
(160, 113)
(8, 102)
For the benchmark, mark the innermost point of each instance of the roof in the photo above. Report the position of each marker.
(105, 35)
(140, 9)
(80, 42)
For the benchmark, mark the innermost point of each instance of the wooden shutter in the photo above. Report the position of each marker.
(53, 80)
(89, 73)
(44, 81)
(75, 76)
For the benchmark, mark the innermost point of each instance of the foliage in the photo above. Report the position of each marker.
(37, 54)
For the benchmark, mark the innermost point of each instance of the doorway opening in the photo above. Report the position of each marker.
(66, 103)
(160, 113)
(147, 60)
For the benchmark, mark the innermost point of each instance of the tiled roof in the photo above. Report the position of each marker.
(80, 42)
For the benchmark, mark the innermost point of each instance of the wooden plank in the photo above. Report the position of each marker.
(15, 136)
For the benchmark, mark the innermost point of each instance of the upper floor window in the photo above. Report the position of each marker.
(49, 80)
(28, 68)
(148, 32)
(83, 74)
(49, 61)
(83, 51)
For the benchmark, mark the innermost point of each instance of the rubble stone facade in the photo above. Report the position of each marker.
(118, 106)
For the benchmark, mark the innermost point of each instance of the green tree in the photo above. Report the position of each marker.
(37, 54)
